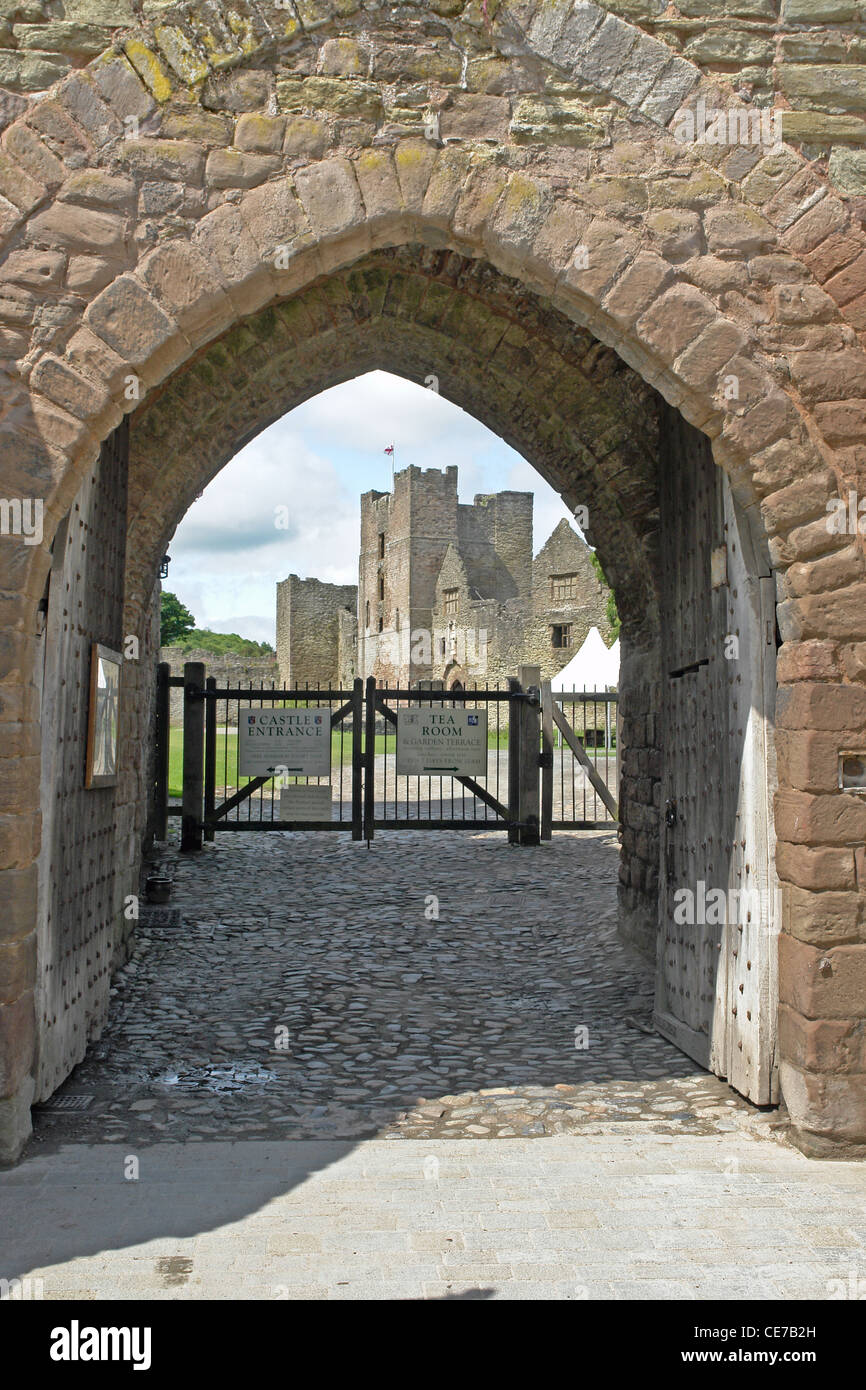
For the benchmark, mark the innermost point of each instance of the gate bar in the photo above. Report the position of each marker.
(357, 758)
(547, 745)
(529, 719)
(369, 761)
(577, 749)
(253, 786)
(468, 782)
(513, 762)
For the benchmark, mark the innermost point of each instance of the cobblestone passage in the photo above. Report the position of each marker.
(310, 991)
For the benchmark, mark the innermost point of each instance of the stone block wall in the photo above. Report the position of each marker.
(564, 553)
(308, 629)
(347, 647)
(804, 58)
(495, 540)
(228, 669)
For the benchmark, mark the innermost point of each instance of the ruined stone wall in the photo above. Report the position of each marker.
(375, 521)
(495, 543)
(308, 629)
(564, 553)
(229, 669)
(511, 524)
(490, 638)
(347, 647)
(425, 514)
(484, 552)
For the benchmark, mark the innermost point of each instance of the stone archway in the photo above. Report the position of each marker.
(217, 165)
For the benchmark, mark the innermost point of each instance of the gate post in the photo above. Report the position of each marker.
(546, 761)
(163, 735)
(513, 761)
(529, 714)
(193, 755)
(524, 758)
(357, 758)
(370, 761)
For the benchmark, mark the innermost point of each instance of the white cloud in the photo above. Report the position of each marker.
(378, 409)
(228, 553)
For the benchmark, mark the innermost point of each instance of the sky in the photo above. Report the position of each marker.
(289, 502)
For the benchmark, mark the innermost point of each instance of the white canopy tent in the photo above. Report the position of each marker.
(593, 666)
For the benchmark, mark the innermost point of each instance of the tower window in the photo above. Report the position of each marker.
(381, 545)
(367, 615)
(381, 624)
(560, 635)
(381, 586)
(449, 598)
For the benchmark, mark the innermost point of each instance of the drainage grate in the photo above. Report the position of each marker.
(159, 916)
(228, 923)
(65, 1103)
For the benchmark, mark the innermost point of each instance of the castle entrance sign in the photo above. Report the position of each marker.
(291, 742)
(442, 742)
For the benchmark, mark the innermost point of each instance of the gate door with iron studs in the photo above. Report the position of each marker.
(716, 984)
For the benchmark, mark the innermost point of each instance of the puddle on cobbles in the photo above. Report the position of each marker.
(221, 1080)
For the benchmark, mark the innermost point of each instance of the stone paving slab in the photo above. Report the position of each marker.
(609, 1217)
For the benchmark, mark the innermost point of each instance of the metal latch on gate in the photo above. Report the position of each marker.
(532, 695)
(671, 812)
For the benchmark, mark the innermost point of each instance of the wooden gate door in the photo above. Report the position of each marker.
(716, 981)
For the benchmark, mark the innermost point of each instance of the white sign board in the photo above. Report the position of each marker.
(305, 803)
(293, 742)
(442, 742)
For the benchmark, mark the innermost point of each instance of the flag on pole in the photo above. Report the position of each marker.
(390, 449)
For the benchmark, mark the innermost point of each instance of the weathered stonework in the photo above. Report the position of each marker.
(227, 668)
(311, 638)
(450, 592)
(152, 263)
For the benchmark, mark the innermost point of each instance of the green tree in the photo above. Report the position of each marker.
(221, 643)
(175, 620)
(612, 615)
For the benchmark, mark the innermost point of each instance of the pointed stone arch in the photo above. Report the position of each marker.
(157, 200)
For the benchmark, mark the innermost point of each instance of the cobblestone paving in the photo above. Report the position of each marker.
(311, 992)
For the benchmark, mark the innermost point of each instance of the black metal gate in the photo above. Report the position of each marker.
(512, 791)
(440, 801)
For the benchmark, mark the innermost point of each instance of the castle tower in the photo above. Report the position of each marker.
(404, 537)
